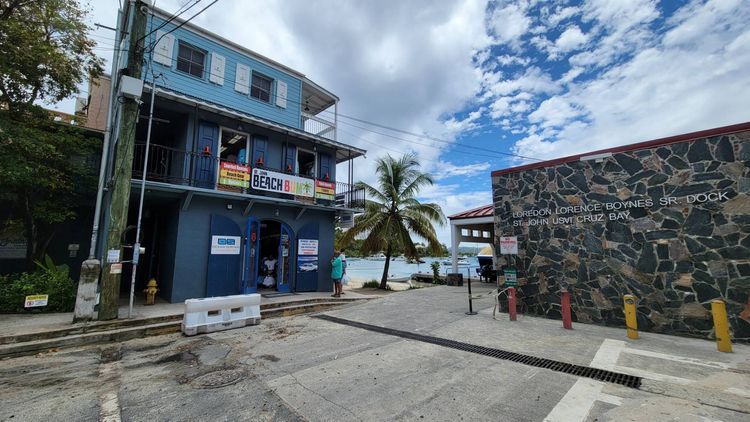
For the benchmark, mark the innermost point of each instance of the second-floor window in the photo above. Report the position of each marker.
(261, 88)
(191, 60)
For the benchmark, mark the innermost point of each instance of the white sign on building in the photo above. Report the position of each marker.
(509, 245)
(308, 247)
(225, 245)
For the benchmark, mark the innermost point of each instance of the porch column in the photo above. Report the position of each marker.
(455, 240)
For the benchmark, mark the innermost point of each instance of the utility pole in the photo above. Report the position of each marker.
(122, 169)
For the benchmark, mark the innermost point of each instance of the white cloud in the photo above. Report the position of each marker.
(561, 14)
(571, 39)
(507, 59)
(533, 80)
(449, 169)
(509, 23)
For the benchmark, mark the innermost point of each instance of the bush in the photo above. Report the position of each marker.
(372, 284)
(49, 279)
(436, 272)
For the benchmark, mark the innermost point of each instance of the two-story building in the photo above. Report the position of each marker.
(241, 181)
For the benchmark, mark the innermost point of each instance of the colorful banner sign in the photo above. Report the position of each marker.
(36, 300)
(325, 190)
(231, 174)
(282, 183)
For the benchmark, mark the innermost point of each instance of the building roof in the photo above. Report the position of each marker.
(724, 130)
(483, 211)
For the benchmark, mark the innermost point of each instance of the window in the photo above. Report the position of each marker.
(261, 88)
(305, 163)
(191, 60)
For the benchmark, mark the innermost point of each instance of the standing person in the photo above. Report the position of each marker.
(343, 262)
(337, 271)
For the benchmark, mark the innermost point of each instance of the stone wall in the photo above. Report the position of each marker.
(669, 224)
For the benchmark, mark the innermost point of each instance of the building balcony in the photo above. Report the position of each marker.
(192, 169)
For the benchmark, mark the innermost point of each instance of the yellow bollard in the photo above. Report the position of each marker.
(630, 320)
(721, 326)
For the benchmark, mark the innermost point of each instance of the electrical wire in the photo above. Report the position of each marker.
(207, 91)
(180, 25)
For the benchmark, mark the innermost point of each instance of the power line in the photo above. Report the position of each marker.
(169, 20)
(181, 24)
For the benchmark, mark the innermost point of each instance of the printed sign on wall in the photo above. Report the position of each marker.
(225, 245)
(308, 247)
(325, 190)
(36, 300)
(509, 245)
(282, 183)
(236, 175)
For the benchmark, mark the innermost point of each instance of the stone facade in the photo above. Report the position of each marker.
(668, 223)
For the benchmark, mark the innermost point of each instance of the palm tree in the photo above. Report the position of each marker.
(394, 213)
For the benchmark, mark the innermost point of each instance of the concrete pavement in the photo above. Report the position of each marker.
(302, 368)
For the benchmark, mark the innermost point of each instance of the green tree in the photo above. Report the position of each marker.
(44, 51)
(44, 54)
(47, 170)
(393, 213)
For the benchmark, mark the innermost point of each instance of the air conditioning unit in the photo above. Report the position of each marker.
(130, 87)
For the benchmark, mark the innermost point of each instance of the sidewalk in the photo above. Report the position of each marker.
(19, 324)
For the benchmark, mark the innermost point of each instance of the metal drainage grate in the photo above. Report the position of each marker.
(553, 365)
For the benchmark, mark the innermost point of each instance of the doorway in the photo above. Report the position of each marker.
(268, 255)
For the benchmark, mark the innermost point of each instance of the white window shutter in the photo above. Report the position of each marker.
(242, 81)
(281, 94)
(217, 69)
(164, 48)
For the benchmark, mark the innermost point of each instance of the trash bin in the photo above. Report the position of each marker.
(455, 279)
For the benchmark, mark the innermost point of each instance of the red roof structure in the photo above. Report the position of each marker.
(483, 211)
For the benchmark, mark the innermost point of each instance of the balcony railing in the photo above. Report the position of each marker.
(318, 126)
(178, 167)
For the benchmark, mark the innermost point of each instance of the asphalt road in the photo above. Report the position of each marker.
(302, 368)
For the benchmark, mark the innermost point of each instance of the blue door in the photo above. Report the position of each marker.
(252, 249)
(308, 265)
(224, 259)
(286, 252)
(205, 158)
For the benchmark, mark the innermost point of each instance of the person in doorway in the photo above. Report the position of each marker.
(337, 271)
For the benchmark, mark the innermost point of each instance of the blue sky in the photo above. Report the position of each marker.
(538, 79)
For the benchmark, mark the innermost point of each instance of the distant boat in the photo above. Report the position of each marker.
(415, 261)
(461, 261)
(378, 257)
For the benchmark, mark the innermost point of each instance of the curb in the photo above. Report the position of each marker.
(108, 332)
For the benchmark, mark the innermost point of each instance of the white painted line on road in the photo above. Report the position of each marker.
(676, 358)
(109, 404)
(577, 402)
(610, 399)
(651, 375)
(608, 353)
(738, 391)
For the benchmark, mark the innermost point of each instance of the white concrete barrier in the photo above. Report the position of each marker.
(220, 313)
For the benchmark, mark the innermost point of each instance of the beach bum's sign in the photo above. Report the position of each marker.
(604, 211)
(282, 183)
(231, 174)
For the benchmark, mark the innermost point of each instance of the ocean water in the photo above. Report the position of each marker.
(364, 269)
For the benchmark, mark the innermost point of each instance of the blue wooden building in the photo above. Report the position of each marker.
(241, 169)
